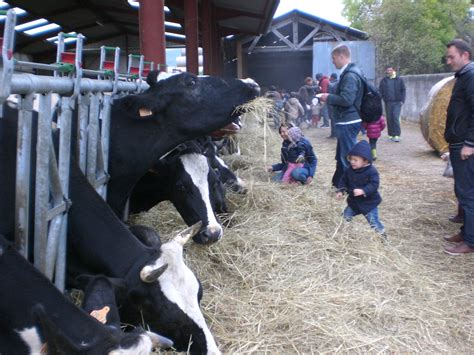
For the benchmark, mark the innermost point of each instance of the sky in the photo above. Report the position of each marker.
(327, 9)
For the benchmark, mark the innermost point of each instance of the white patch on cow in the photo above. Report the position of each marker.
(164, 75)
(249, 81)
(180, 286)
(144, 346)
(197, 167)
(31, 337)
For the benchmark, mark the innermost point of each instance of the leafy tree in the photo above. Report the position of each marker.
(411, 35)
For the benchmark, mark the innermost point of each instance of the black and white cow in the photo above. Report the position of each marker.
(181, 106)
(185, 178)
(143, 127)
(33, 312)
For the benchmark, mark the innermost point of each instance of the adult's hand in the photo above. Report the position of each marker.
(322, 97)
(309, 180)
(466, 152)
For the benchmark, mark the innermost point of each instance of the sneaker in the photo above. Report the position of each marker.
(457, 238)
(396, 139)
(390, 138)
(459, 249)
(325, 126)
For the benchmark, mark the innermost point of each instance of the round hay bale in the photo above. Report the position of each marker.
(433, 114)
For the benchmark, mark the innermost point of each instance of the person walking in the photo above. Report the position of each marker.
(459, 133)
(392, 89)
(305, 95)
(374, 131)
(346, 102)
(361, 182)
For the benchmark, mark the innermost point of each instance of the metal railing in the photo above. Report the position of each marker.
(92, 98)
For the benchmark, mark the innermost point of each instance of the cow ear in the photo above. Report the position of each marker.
(147, 235)
(152, 77)
(57, 341)
(145, 106)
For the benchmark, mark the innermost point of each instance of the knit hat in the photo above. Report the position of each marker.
(362, 149)
(295, 134)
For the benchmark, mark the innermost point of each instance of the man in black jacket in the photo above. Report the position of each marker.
(392, 89)
(459, 133)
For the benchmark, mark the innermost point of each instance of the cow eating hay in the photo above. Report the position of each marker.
(291, 276)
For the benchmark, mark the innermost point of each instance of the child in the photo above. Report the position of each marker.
(361, 182)
(374, 131)
(315, 112)
(296, 152)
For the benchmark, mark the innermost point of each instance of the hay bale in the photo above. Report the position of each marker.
(433, 114)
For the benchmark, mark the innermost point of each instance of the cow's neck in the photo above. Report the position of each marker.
(100, 238)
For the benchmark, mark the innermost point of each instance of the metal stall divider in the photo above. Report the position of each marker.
(52, 172)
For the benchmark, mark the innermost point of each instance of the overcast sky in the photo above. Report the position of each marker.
(326, 9)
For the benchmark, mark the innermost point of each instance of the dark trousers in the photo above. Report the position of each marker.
(392, 112)
(464, 188)
(346, 140)
(333, 125)
(373, 143)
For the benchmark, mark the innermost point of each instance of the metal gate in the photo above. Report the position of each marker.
(92, 98)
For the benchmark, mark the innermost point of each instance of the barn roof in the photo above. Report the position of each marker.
(296, 30)
(116, 21)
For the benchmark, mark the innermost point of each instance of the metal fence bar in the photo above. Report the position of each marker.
(93, 139)
(22, 193)
(43, 147)
(83, 117)
(28, 83)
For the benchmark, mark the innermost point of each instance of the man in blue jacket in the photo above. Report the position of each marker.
(459, 133)
(346, 103)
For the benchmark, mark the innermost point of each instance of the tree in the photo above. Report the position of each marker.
(411, 35)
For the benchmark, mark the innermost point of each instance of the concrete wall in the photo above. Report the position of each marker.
(417, 88)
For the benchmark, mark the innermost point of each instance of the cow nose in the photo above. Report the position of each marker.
(208, 235)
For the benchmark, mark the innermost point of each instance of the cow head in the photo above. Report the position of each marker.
(166, 296)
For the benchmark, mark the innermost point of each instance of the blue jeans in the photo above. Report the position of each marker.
(392, 111)
(300, 174)
(372, 217)
(346, 140)
(464, 188)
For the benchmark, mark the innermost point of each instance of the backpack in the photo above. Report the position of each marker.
(371, 106)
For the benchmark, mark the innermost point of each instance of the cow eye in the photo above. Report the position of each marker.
(192, 82)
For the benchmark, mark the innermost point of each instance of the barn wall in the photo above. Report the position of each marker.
(285, 70)
(417, 89)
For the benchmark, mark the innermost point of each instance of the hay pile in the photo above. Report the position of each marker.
(290, 276)
(433, 114)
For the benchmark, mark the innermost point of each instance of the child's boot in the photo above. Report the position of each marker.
(374, 154)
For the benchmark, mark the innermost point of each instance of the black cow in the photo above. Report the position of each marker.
(33, 312)
(143, 127)
(184, 178)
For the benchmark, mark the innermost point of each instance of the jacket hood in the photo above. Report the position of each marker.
(467, 67)
(362, 149)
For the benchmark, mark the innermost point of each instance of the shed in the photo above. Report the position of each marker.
(285, 55)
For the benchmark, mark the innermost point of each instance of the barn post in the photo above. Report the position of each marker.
(206, 32)
(152, 30)
(191, 32)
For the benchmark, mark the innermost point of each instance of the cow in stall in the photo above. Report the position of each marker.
(35, 318)
(184, 178)
(143, 127)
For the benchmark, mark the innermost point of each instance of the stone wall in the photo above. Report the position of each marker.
(417, 89)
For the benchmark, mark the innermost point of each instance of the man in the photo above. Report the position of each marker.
(323, 82)
(306, 94)
(459, 133)
(392, 89)
(346, 103)
(333, 80)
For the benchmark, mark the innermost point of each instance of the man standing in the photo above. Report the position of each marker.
(392, 89)
(346, 103)
(459, 133)
(333, 80)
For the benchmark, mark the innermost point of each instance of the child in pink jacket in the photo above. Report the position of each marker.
(374, 130)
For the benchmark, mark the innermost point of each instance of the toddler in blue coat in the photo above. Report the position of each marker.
(361, 182)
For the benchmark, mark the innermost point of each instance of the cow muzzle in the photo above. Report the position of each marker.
(209, 235)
